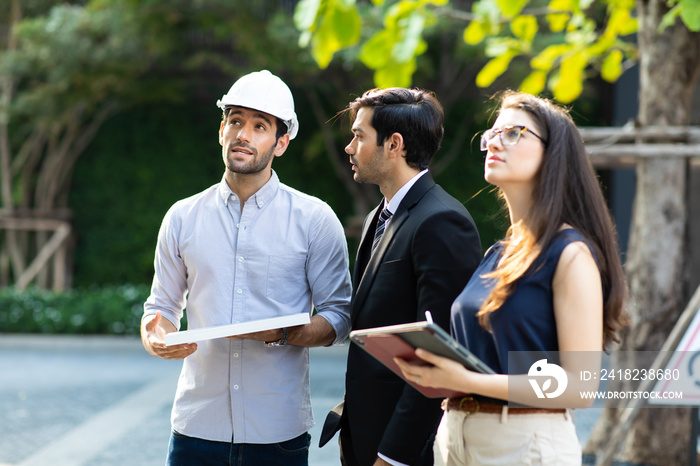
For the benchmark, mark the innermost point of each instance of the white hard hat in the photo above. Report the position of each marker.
(265, 92)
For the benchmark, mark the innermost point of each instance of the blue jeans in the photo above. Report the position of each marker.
(191, 451)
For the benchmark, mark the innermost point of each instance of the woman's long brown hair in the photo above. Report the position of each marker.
(566, 191)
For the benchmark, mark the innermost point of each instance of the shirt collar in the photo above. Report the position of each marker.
(260, 198)
(401, 193)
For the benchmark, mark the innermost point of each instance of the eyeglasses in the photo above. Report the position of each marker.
(510, 135)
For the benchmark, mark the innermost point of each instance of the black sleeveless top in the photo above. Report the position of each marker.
(525, 321)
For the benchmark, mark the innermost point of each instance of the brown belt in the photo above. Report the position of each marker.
(471, 406)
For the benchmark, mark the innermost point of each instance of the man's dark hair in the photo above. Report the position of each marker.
(279, 123)
(416, 114)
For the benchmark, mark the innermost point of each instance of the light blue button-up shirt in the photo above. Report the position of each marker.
(284, 253)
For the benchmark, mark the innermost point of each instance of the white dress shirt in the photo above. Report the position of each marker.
(285, 252)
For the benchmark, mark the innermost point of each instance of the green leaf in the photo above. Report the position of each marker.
(474, 33)
(339, 28)
(574, 64)
(486, 10)
(565, 91)
(563, 10)
(558, 21)
(611, 68)
(494, 68)
(324, 44)
(376, 51)
(534, 83)
(399, 11)
(511, 8)
(581, 30)
(496, 46)
(601, 46)
(346, 24)
(690, 14)
(395, 75)
(304, 39)
(620, 23)
(305, 14)
(405, 48)
(524, 27)
(631, 26)
(669, 18)
(321, 49)
(569, 85)
(563, 5)
(546, 58)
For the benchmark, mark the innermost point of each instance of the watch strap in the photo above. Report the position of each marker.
(281, 342)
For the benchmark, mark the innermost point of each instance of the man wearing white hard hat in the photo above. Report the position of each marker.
(249, 248)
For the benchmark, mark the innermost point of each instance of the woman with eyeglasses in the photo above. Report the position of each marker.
(543, 304)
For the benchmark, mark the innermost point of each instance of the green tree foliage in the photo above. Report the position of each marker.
(687, 10)
(338, 27)
(63, 74)
(391, 51)
(562, 40)
(79, 56)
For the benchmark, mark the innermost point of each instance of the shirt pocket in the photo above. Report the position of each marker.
(286, 277)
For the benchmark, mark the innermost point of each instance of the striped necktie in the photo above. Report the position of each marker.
(381, 223)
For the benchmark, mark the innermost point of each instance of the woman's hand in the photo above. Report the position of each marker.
(439, 373)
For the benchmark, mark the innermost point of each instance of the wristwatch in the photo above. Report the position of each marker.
(281, 342)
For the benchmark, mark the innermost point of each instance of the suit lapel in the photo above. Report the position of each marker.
(372, 261)
(365, 248)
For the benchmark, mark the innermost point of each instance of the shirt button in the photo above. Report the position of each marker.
(235, 387)
(238, 225)
(239, 291)
(240, 259)
(235, 355)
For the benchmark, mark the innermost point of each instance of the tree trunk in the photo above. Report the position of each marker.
(657, 260)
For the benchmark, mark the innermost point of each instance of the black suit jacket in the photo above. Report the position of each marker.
(426, 256)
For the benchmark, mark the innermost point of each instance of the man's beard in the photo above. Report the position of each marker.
(255, 165)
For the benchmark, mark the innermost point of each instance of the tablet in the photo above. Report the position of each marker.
(386, 343)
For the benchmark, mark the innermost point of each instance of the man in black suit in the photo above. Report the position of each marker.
(421, 261)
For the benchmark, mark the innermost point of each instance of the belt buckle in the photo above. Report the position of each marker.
(468, 398)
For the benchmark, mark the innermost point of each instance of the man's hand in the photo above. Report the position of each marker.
(316, 333)
(265, 335)
(153, 331)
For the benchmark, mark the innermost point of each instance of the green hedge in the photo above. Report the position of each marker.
(114, 310)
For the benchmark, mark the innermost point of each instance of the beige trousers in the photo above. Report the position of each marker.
(506, 439)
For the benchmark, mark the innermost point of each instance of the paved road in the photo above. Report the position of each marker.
(84, 401)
